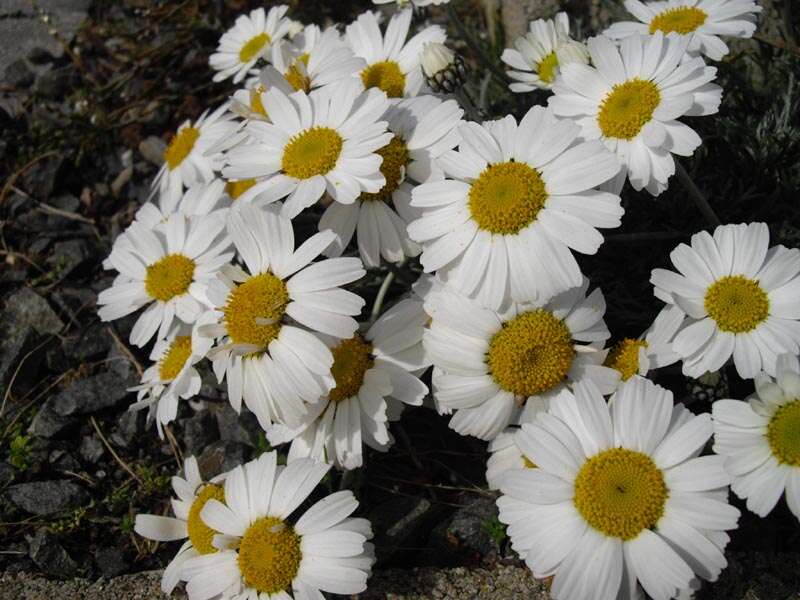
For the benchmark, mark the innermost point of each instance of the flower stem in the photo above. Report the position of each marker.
(474, 46)
(468, 104)
(697, 195)
(387, 282)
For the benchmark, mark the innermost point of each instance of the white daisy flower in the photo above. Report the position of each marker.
(701, 21)
(741, 299)
(517, 199)
(314, 58)
(423, 129)
(247, 41)
(760, 439)
(165, 269)
(631, 99)
(538, 55)
(266, 554)
(374, 380)
(192, 494)
(324, 141)
(267, 317)
(504, 452)
(492, 365)
(248, 103)
(295, 28)
(619, 497)
(393, 64)
(653, 350)
(173, 376)
(187, 160)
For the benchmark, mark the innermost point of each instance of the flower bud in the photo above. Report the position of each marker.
(444, 69)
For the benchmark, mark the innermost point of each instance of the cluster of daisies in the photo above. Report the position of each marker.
(603, 480)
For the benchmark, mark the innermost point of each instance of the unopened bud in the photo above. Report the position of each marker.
(295, 27)
(444, 69)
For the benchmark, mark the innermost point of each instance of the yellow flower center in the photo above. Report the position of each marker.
(175, 357)
(624, 357)
(395, 158)
(529, 464)
(684, 19)
(180, 146)
(253, 46)
(620, 492)
(261, 298)
(386, 76)
(351, 360)
(507, 197)
(628, 108)
(547, 67)
(235, 189)
(783, 433)
(312, 152)
(736, 303)
(269, 555)
(169, 277)
(256, 104)
(201, 534)
(297, 76)
(531, 353)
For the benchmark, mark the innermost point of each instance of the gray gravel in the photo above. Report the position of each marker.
(749, 576)
(500, 583)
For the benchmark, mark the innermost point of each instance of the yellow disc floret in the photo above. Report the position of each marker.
(253, 46)
(351, 360)
(385, 76)
(395, 158)
(256, 103)
(235, 189)
(200, 534)
(269, 555)
(173, 360)
(312, 152)
(627, 108)
(684, 19)
(531, 353)
(296, 74)
(736, 303)
(170, 276)
(507, 197)
(783, 433)
(547, 67)
(180, 146)
(620, 492)
(624, 357)
(261, 298)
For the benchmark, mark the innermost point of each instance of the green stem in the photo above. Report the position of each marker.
(474, 46)
(376, 307)
(697, 195)
(468, 104)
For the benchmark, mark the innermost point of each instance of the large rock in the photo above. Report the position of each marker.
(27, 307)
(91, 394)
(465, 536)
(49, 424)
(199, 431)
(47, 497)
(242, 428)
(28, 28)
(50, 556)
